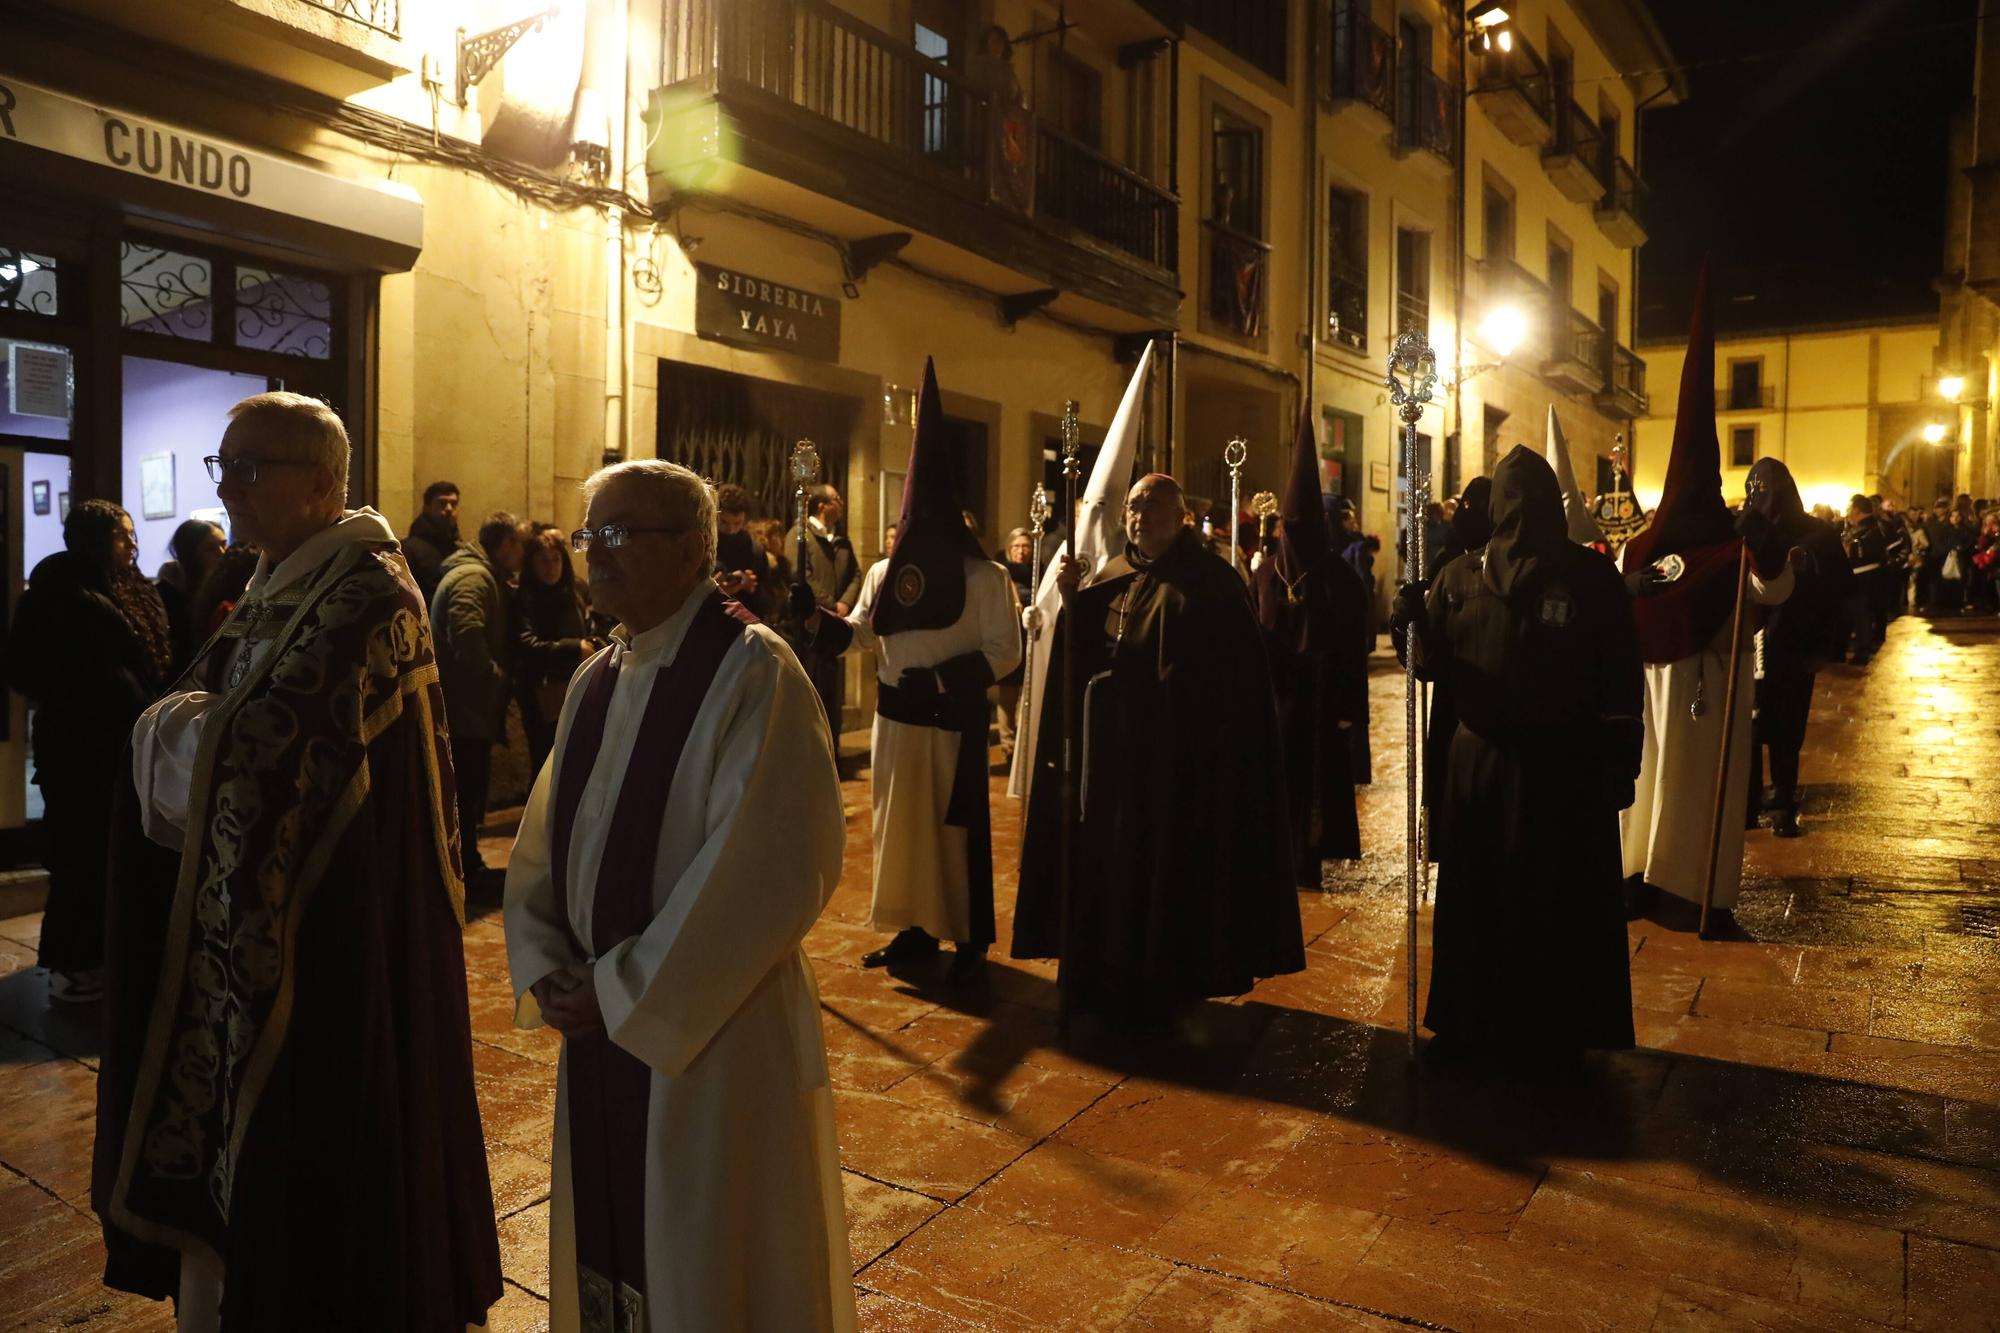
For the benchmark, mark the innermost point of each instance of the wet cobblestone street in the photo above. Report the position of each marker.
(1807, 1139)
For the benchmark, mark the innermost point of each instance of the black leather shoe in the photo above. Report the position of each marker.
(1785, 823)
(910, 944)
(968, 961)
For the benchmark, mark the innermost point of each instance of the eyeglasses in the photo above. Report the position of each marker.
(244, 469)
(613, 535)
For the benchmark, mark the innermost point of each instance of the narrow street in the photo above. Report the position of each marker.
(1806, 1140)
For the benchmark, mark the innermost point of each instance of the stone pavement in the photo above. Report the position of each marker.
(1807, 1139)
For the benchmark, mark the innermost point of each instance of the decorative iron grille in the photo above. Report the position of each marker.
(163, 291)
(381, 15)
(27, 282)
(277, 312)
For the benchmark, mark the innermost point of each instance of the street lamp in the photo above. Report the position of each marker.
(1934, 433)
(1950, 387)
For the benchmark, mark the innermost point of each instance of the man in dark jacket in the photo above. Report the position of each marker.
(475, 655)
(1866, 543)
(433, 536)
(834, 575)
(1803, 633)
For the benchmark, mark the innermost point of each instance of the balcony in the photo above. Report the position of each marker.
(1364, 67)
(1745, 397)
(799, 108)
(1255, 31)
(1624, 393)
(334, 47)
(1576, 351)
(1347, 307)
(1426, 120)
(1575, 161)
(1238, 267)
(1515, 91)
(1618, 211)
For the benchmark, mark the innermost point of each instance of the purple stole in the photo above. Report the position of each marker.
(608, 1087)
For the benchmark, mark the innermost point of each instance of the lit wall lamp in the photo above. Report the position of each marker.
(1489, 20)
(1934, 433)
(478, 55)
(1949, 387)
(1503, 330)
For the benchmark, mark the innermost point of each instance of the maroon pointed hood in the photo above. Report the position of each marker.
(924, 586)
(1691, 513)
(1691, 520)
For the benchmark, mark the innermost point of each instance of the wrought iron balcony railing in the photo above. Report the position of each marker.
(1347, 306)
(1364, 63)
(1413, 312)
(1624, 383)
(1426, 114)
(1101, 198)
(1238, 273)
(913, 114)
(381, 15)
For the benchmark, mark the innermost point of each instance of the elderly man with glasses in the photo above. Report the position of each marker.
(655, 922)
(287, 1131)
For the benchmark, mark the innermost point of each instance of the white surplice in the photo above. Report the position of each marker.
(920, 861)
(745, 1226)
(1666, 832)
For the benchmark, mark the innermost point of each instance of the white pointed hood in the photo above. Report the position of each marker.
(1100, 535)
(1583, 527)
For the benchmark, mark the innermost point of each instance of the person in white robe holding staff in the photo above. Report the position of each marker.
(655, 923)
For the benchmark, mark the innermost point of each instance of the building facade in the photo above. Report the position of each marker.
(1846, 408)
(512, 241)
(1968, 327)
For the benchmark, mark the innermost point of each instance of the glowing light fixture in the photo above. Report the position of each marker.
(1934, 433)
(1506, 39)
(1488, 14)
(1950, 387)
(1504, 329)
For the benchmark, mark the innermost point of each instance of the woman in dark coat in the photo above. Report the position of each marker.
(197, 547)
(1536, 640)
(90, 648)
(551, 627)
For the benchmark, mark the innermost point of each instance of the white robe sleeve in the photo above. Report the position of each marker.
(747, 898)
(538, 940)
(165, 740)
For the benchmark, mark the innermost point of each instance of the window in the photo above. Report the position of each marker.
(1499, 223)
(1340, 470)
(1347, 268)
(1413, 63)
(1413, 280)
(1071, 98)
(1256, 30)
(28, 282)
(1237, 192)
(1607, 307)
(1561, 276)
(1742, 446)
(1607, 122)
(1746, 388)
(1491, 421)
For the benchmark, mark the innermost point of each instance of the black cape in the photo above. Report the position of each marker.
(1318, 690)
(1543, 663)
(1182, 882)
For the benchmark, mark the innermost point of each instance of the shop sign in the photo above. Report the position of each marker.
(58, 123)
(741, 308)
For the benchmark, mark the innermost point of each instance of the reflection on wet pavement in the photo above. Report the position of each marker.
(1808, 1138)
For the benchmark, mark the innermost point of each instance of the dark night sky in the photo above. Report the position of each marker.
(1814, 175)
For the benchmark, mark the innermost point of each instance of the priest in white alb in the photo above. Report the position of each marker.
(654, 920)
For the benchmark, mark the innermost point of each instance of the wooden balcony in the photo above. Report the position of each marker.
(1577, 351)
(788, 104)
(1239, 269)
(1618, 211)
(1515, 91)
(1624, 393)
(1427, 121)
(1363, 76)
(1575, 160)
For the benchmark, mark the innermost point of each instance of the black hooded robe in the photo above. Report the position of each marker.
(1535, 639)
(1802, 634)
(1182, 880)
